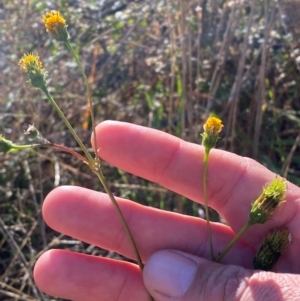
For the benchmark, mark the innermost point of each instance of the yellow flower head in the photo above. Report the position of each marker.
(212, 128)
(33, 67)
(213, 125)
(56, 25)
(30, 61)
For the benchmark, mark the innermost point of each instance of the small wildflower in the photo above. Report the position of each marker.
(212, 128)
(272, 248)
(30, 63)
(272, 197)
(56, 25)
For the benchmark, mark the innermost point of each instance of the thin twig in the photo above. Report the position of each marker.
(287, 162)
(14, 246)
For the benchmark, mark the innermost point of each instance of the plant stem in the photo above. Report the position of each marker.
(89, 96)
(68, 125)
(68, 150)
(233, 241)
(96, 169)
(211, 249)
(123, 221)
(17, 147)
(121, 216)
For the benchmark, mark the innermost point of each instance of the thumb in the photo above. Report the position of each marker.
(178, 276)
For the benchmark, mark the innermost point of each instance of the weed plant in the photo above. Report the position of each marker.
(140, 78)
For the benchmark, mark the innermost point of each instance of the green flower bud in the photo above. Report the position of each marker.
(271, 198)
(33, 67)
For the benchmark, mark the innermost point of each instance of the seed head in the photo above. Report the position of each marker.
(272, 248)
(32, 132)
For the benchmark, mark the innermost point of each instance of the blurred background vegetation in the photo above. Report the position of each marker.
(160, 63)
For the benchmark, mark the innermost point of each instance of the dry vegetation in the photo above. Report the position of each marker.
(163, 64)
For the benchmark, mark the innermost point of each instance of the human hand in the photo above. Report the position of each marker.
(173, 246)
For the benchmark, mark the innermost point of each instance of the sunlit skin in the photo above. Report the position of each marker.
(233, 183)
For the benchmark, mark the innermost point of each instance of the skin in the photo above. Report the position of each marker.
(233, 183)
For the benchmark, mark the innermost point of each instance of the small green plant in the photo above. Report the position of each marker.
(262, 209)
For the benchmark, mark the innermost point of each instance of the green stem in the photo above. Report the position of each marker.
(89, 96)
(234, 240)
(123, 221)
(68, 125)
(211, 249)
(97, 169)
(16, 147)
(122, 218)
(68, 150)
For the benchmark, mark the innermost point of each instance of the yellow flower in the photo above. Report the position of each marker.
(213, 125)
(56, 25)
(33, 67)
(30, 61)
(212, 128)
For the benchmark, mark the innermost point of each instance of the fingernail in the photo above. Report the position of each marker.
(169, 273)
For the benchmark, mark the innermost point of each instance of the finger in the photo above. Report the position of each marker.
(90, 216)
(233, 181)
(172, 275)
(80, 277)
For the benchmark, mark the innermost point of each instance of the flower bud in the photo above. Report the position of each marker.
(271, 198)
(212, 128)
(33, 67)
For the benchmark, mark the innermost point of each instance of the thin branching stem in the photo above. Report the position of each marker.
(123, 221)
(68, 150)
(89, 96)
(122, 218)
(68, 125)
(233, 241)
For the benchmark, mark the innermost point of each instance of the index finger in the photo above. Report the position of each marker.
(233, 182)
